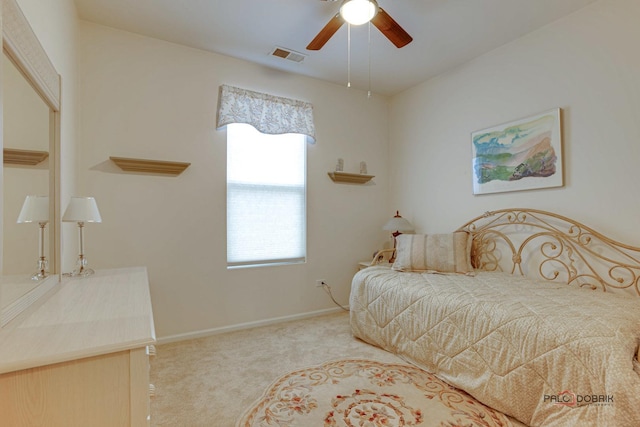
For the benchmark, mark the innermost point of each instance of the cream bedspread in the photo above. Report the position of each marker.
(530, 349)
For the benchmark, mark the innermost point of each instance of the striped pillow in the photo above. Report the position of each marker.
(442, 253)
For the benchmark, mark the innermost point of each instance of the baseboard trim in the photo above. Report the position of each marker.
(241, 326)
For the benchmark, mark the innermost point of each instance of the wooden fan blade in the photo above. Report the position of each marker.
(391, 29)
(326, 33)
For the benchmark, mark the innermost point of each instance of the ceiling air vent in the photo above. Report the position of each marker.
(288, 54)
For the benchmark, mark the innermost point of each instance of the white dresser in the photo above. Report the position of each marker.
(81, 358)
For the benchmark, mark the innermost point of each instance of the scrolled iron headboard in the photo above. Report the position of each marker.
(546, 245)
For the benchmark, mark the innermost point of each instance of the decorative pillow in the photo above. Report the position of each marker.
(442, 253)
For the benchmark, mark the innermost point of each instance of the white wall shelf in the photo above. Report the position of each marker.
(150, 166)
(352, 178)
(14, 156)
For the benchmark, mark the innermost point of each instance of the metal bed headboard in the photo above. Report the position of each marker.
(546, 245)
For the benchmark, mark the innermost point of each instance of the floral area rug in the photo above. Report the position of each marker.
(366, 393)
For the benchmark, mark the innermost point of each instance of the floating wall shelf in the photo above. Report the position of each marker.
(13, 156)
(353, 178)
(150, 166)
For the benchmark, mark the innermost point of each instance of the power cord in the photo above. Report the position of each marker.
(327, 289)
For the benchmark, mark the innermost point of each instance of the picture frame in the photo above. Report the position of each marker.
(523, 154)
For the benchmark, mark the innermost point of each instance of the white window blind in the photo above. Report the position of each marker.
(266, 197)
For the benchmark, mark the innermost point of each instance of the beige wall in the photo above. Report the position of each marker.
(25, 119)
(140, 97)
(146, 98)
(56, 24)
(587, 65)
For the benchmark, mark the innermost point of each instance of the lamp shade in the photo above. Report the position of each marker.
(34, 209)
(358, 12)
(82, 209)
(398, 223)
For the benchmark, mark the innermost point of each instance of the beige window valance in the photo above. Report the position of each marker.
(268, 113)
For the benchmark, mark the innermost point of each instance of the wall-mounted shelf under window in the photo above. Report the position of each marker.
(150, 166)
(353, 178)
(13, 156)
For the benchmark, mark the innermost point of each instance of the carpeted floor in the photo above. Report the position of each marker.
(218, 377)
(211, 381)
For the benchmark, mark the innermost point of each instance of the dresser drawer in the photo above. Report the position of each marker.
(111, 390)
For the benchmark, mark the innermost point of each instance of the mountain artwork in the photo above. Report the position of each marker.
(527, 150)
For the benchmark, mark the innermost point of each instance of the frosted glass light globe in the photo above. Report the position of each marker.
(358, 12)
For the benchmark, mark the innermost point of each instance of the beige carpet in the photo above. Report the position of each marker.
(212, 381)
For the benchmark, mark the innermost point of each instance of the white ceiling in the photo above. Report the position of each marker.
(446, 33)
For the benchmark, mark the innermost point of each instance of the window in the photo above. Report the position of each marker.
(266, 197)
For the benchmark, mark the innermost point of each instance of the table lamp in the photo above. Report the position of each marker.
(36, 209)
(81, 210)
(398, 225)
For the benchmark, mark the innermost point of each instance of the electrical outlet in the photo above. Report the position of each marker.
(319, 282)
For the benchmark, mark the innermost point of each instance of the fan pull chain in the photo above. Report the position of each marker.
(369, 55)
(348, 55)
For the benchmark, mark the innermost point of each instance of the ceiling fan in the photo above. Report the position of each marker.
(357, 12)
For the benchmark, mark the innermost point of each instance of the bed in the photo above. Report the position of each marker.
(540, 319)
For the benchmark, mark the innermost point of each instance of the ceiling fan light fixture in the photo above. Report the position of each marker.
(358, 12)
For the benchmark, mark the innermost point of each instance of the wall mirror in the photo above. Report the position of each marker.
(30, 139)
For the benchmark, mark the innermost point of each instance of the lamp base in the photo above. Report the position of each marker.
(81, 270)
(42, 270)
(40, 275)
(395, 235)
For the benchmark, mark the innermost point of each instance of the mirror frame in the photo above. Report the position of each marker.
(21, 44)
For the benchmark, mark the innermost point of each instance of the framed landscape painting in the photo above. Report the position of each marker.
(523, 154)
